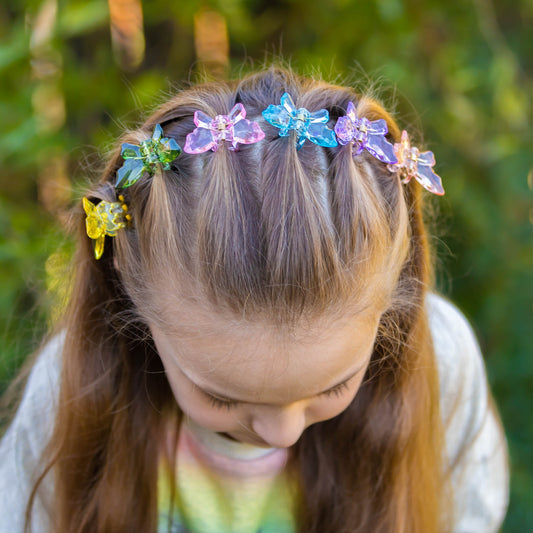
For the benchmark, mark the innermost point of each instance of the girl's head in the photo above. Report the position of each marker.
(272, 260)
(278, 289)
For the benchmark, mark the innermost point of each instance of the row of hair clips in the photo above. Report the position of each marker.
(401, 158)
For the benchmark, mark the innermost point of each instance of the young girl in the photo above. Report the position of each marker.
(252, 344)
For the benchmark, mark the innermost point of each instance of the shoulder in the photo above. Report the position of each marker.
(464, 391)
(45, 374)
(39, 398)
(476, 449)
(22, 444)
(460, 363)
(452, 335)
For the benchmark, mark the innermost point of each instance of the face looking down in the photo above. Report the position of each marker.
(258, 385)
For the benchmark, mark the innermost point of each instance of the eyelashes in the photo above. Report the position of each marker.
(218, 403)
(337, 391)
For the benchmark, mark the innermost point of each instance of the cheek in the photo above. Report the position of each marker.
(326, 408)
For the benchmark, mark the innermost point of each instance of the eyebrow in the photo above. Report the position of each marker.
(229, 399)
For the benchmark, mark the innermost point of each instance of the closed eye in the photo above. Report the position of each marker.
(336, 391)
(220, 403)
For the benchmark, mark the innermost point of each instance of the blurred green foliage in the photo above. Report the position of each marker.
(461, 73)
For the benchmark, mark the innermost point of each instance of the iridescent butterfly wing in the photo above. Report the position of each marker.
(377, 144)
(425, 175)
(278, 116)
(318, 132)
(244, 131)
(201, 138)
(133, 167)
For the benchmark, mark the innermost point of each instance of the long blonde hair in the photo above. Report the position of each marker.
(277, 234)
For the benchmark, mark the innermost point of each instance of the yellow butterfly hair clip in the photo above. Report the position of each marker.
(104, 218)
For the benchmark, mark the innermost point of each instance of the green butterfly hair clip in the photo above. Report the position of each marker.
(145, 157)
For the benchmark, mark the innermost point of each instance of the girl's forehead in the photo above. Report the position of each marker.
(251, 361)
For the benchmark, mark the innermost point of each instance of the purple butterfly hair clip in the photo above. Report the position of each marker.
(415, 164)
(365, 135)
(233, 128)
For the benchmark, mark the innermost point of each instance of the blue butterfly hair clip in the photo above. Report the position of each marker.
(308, 125)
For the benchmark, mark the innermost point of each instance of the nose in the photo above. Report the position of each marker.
(280, 427)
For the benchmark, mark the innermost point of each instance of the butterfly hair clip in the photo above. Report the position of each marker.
(415, 164)
(145, 157)
(234, 128)
(104, 218)
(306, 124)
(365, 135)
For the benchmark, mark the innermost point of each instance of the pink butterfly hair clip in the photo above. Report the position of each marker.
(415, 164)
(233, 128)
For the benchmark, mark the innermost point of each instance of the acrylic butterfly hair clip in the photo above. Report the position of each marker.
(412, 163)
(307, 125)
(365, 135)
(233, 129)
(146, 157)
(211, 132)
(104, 218)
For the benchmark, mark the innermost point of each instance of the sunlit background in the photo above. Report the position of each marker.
(74, 73)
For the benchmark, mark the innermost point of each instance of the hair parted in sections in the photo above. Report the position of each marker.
(268, 229)
(265, 233)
